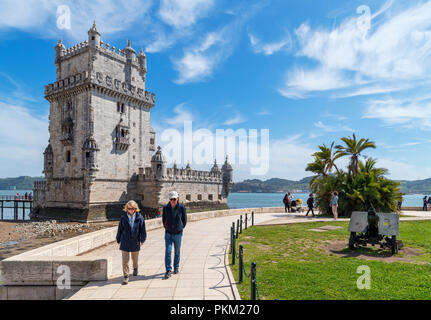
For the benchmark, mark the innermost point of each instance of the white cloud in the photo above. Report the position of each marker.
(399, 170)
(271, 47)
(23, 137)
(40, 16)
(235, 120)
(184, 13)
(401, 112)
(199, 61)
(281, 162)
(337, 128)
(397, 48)
(182, 115)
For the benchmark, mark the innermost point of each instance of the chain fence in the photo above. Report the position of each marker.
(235, 231)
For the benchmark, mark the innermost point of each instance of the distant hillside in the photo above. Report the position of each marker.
(21, 183)
(272, 185)
(417, 186)
(282, 185)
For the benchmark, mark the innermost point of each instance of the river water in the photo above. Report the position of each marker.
(235, 200)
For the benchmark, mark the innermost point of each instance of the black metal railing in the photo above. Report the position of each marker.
(254, 292)
(18, 204)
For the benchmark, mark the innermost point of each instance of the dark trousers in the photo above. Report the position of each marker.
(286, 207)
(310, 208)
(425, 208)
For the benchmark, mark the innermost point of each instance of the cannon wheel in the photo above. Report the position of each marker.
(352, 240)
(394, 247)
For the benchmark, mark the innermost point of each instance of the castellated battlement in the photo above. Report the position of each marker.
(180, 175)
(39, 185)
(98, 80)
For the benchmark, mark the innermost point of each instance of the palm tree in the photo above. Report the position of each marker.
(328, 158)
(353, 148)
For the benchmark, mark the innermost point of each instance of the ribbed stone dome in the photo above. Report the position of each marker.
(226, 166)
(215, 167)
(158, 156)
(48, 149)
(90, 144)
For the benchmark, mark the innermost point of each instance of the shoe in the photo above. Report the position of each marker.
(168, 274)
(126, 280)
(176, 271)
(135, 272)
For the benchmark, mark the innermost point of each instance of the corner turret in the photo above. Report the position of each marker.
(94, 36)
(60, 50)
(129, 52)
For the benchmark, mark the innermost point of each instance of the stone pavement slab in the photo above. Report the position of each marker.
(203, 273)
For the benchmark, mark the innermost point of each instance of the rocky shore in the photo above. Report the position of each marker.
(18, 237)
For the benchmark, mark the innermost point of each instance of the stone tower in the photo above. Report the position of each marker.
(101, 145)
(99, 129)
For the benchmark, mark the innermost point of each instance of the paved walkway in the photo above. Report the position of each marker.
(203, 274)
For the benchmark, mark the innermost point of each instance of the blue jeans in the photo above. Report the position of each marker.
(176, 240)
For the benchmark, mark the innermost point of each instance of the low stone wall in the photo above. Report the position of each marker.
(28, 273)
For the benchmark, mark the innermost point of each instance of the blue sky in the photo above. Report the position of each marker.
(309, 71)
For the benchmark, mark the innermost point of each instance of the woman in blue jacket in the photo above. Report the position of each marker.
(130, 236)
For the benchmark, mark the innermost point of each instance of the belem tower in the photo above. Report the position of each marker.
(101, 151)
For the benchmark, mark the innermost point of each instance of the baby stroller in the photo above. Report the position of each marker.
(296, 205)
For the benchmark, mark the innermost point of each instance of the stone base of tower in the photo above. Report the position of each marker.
(94, 213)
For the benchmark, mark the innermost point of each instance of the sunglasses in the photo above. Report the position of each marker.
(173, 199)
(129, 209)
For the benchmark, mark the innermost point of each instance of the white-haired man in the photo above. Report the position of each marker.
(174, 219)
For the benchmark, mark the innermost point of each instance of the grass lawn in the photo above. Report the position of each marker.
(292, 263)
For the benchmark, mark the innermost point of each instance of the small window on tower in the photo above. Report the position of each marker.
(93, 38)
(118, 107)
(67, 156)
(87, 154)
(122, 108)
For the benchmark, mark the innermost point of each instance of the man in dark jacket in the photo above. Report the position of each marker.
(310, 204)
(131, 235)
(174, 219)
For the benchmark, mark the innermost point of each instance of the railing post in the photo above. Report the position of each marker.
(253, 281)
(237, 228)
(240, 264)
(245, 221)
(23, 210)
(240, 224)
(252, 218)
(233, 251)
(231, 238)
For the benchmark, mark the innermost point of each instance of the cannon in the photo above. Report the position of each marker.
(375, 228)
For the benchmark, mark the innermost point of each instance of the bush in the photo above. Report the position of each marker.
(361, 187)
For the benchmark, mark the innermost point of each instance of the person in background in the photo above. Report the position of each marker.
(174, 219)
(131, 235)
(334, 204)
(429, 201)
(400, 203)
(286, 203)
(310, 204)
(425, 206)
